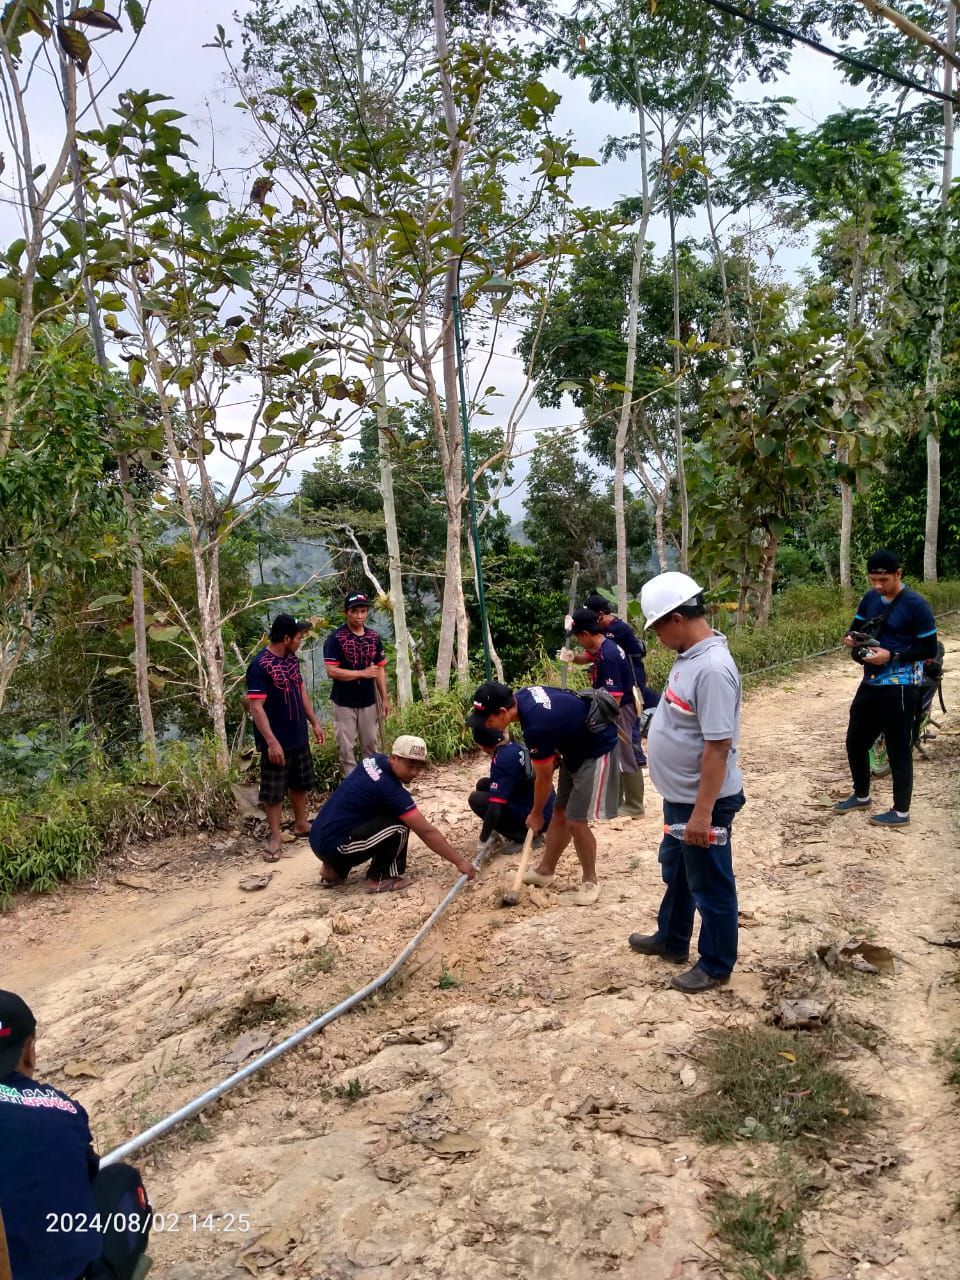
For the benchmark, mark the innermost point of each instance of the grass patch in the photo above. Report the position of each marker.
(254, 1010)
(773, 1087)
(447, 980)
(761, 1233)
(352, 1091)
(322, 961)
(59, 829)
(949, 1054)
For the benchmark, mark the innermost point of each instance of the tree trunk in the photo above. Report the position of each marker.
(141, 657)
(843, 455)
(397, 600)
(717, 249)
(677, 412)
(453, 617)
(623, 425)
(932, 521)
(207, 564)
(140, 653)
(767, 566)
(660, 537)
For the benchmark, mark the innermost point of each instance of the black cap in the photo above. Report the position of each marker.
(485, 737)
(884, 561)
(585, 620)
(490, 698)
(17, 1025)
(599, 604)
(356, 600)
(285, 624)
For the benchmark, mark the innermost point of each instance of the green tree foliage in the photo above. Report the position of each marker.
(568, 518)
(60, 512)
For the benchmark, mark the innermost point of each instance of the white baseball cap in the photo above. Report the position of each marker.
(408, 747)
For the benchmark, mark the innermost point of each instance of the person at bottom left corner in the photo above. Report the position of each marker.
(368, 819)
(64, 1217)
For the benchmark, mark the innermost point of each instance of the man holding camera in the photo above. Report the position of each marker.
(892, 632)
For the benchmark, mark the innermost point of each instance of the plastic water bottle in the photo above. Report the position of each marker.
(718, 835)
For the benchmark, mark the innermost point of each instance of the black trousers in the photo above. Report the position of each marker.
(888, 709)
(381, 841)
(508, 824)
(123, 1207)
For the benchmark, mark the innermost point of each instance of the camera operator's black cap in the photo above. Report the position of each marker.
(884, 561)
(17, 1025)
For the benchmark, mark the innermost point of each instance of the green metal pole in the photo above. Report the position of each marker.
(468, 462)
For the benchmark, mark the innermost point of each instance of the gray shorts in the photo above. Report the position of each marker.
(592, 792)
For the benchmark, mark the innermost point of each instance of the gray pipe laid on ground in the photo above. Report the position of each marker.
(217, 1091)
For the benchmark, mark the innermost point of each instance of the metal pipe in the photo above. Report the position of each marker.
(217, 1091)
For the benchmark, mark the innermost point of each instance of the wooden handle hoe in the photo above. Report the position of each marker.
(511, 896)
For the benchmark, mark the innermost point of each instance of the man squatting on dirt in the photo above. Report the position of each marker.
(280, 708)
(613, 670)
(368, 819)
(902, 633)
(64, 1218)
(692, 756)
(504, 799)
(554, 723)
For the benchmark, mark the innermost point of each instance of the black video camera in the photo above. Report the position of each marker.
(865, 639)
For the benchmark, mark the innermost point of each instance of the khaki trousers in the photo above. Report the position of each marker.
(349, 723)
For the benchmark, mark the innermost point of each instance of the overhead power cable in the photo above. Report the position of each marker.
(754, 19)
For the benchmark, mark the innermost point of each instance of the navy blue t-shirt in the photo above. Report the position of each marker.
(353, 653)
(910, 619)
(553, 723)
(610, 670)
(372, 790)
(47, 1163)
(510, 785)
(277, 682)
(632, 646)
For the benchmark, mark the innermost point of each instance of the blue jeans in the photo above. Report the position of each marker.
(702, 880)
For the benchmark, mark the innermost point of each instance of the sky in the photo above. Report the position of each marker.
(170, 58)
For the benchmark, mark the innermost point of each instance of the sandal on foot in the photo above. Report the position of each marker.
(534, 877)
(586, 895)
(272, 855)
(392, 884)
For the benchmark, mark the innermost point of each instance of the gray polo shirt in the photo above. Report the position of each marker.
(700, 703)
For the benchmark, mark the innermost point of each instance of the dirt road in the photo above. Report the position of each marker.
(507, 1108)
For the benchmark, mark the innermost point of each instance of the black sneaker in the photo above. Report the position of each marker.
(696, 980)
(651, 944)
(852, 802)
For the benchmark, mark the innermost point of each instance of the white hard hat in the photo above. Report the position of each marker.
(664, 593)
(409, 747)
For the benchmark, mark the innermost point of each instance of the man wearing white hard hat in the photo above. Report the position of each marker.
(369, 817)
(692, 759)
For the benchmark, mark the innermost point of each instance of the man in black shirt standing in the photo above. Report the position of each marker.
(280, 708)
(357, 665)
(892, 632)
